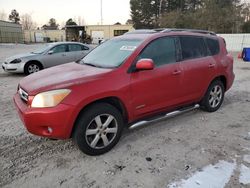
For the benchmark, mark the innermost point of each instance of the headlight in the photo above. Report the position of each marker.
(49, 98)
(15, 61)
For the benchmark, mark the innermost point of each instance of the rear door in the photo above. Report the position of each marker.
(157, 89)
(76, 52)
(197, 65)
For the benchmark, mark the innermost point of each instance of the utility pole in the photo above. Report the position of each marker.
(160, 12)
(101, 14)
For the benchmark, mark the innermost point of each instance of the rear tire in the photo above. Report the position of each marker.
(213, 97)
(98, 129)
(32, 67)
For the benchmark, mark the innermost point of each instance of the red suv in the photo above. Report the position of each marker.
(127, 79)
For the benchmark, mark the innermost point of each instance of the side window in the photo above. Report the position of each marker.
(85, 47)
(74, 47)
(213, 46)
(192, 47)
(59, 49)
(161, 51)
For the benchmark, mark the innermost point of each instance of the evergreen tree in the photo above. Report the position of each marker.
(222, 16)
(70, 22)
(146, 13)
(14, 16)
(52, 25)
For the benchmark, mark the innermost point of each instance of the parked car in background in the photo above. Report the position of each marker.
(51, 55)
(127, 79)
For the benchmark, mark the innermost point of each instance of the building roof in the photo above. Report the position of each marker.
(10, 23)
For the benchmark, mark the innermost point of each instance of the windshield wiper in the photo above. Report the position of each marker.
(90, 64)
(93, 65)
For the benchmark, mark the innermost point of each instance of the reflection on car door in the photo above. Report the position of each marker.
(76, 52)
(154, 90)
(57, 57)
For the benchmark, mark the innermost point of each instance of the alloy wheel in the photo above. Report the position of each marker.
(101, 131)
(32, 68)
(215, 96)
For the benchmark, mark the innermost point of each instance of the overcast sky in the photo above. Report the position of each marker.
(113, 10)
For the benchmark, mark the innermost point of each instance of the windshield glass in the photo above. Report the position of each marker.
(42, 49)
(111, 53)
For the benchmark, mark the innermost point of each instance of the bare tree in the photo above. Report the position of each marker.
(27, 22)
(3, 15)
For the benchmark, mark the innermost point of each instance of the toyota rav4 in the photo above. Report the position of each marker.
(130, 78)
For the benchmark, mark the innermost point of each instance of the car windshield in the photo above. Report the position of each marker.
(42, 49)
(112, 53)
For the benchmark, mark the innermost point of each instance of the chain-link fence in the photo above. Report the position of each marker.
(11, 32)
(236, 42)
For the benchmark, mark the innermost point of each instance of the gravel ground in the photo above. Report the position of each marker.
(155, 155)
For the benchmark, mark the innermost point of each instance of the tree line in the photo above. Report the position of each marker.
(221, 16)
(28, 23)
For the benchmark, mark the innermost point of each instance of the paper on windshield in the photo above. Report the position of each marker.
(128, 48)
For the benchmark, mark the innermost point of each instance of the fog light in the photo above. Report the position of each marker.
(50, 130)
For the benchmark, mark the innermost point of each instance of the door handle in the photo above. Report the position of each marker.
(176, 72)
(211, 65)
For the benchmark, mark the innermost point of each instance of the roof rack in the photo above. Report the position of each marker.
(165, 30)
(141, 31)
(189, 30)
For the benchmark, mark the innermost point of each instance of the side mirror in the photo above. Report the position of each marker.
(50, 52)
(145, 64)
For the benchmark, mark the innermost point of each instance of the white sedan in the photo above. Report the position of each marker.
(51, 55)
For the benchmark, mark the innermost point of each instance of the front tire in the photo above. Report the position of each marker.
(32, 67)
(214, 97)
(98, 129)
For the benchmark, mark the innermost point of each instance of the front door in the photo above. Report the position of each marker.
(157, 89)
(57, 56)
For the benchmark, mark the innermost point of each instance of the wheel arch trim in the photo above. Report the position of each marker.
(112, 100)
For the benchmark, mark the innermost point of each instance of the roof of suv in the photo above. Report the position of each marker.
(167, 30)
(146, 33)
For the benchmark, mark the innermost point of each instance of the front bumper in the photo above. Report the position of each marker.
(56, 122)
(15, 68)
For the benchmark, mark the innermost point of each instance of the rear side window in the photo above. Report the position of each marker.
(85, 47)
(161, 51)
(192, 47)
(213, 46)
(74, 47)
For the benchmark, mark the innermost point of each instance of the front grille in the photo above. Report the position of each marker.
(23, 95)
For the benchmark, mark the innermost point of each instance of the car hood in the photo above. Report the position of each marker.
(20, 56)
(62, 76)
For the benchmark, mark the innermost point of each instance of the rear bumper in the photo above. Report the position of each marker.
(53, 122)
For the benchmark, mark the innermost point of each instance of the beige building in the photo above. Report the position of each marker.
(44, 35)
(101, 32)
(97, 33)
